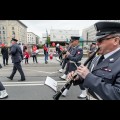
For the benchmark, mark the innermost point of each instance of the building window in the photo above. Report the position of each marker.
(54, 36)
(0, 32)
(12, 28)
(13, 32)
(3, 32)
(3, 28)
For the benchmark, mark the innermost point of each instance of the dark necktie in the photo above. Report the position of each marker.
(101, 59)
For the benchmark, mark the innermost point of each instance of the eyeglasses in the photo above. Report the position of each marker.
(100, 40)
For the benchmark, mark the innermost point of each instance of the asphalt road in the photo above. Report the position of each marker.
(34, 88)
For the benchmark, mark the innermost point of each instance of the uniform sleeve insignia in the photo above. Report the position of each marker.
(78, 52)
(112, 59)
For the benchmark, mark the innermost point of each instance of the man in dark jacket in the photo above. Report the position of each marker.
(4, 51)
(16, 55)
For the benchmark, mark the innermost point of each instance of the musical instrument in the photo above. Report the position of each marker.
(69, 82)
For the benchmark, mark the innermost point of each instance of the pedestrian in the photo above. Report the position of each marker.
(26, 56)
(45, 48)
(34, 54)
(102, 78)
(16, 55)
(57, 46)
(5, 55)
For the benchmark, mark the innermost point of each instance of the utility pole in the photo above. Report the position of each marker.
(47, 37)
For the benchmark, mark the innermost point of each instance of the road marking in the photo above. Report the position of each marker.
(32, 82)
(35, 83)
(34, 71)
(42, 71)
(8, 85)
(5, 69)
(23, 85)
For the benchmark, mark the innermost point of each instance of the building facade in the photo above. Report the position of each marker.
(31, 38)
(44, 38)
(62, 35)
(89, 33)
(12, 29)
(37, 39)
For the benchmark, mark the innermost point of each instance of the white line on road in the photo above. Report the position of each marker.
(34, 71)
(32, 83)
(24, 85)
(8, 85)
(5, 69)
(42, 71)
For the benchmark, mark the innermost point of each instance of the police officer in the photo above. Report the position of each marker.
(102, 79)
(65, 60)
(74, 57)
(16, 55)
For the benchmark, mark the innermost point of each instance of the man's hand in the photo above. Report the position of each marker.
(73, 75)
(83, 71)
(70, 75)
(67, 54)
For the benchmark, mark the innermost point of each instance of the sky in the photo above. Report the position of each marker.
(40, 26)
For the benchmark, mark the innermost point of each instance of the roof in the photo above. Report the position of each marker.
(22, 23)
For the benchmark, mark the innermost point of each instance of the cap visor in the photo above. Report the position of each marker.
(99, 37)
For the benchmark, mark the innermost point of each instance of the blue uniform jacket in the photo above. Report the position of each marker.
(105, 78)
(16, 53)
(76, 54)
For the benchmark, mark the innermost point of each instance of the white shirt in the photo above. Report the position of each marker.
(111, 53)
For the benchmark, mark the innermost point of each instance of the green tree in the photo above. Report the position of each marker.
(81, 42)
(48, 40)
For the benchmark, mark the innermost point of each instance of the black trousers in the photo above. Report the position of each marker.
(5, 61)
(1, 87)
(17, 66)
(26, 60)
(81, 87)
(69, 69)
(64, 63)
(35, 58)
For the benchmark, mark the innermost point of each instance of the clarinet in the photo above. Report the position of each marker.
(69, 82)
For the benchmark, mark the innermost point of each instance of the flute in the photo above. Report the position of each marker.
(69, 82)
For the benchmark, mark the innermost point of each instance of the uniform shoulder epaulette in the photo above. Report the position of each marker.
(79, 48)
